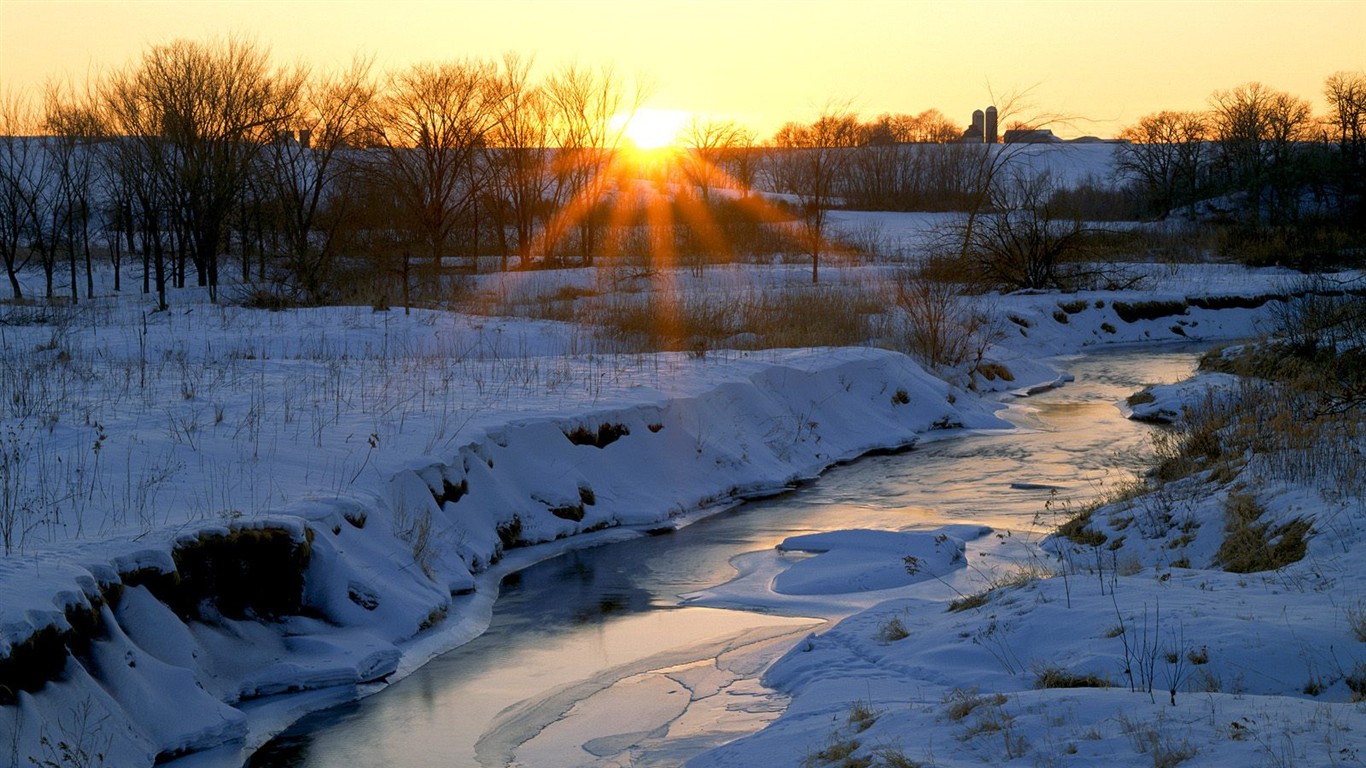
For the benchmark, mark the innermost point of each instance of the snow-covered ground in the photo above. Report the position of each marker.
(388, 468)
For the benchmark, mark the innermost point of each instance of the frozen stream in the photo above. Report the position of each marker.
(596, 658)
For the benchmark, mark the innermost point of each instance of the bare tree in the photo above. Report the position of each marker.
(984, 167)
(431, 124)
(310, 172)
(1025, 243)
(72, 125)
(20, 157)
(943, 328)
(202, 113)
(33, 188)
(810, 163)
(136, 161)
(1258, 131)
(1346, 94)
(589, 112)
(706, 144)
(521, 158)
(928, 127)
(1166, 156)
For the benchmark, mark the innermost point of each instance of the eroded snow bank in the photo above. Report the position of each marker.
(380, 568)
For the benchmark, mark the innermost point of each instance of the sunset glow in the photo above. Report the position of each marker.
(761, 62)
(651, 129)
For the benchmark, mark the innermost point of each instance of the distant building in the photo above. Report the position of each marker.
(1031, 136)
(985, 130)
(975, 132)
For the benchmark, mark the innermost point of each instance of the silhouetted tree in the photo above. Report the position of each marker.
(1346, 94)
(521, 160)
(311, 173)
(72, 126)
(811, 159)
(705, 144)
(589, 112)
(1166, 156)
(928, 127)
(431, 124)
(1023, 242)
(136, 161)
(20, 159)
(1258, 131)
(200, 114)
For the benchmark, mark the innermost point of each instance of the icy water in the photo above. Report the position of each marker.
(593, 658)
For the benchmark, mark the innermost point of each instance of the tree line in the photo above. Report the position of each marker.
(1263, 162)
(199, 153)
(201, 157)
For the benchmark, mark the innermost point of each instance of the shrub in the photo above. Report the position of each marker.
(1356, 681)
(570, 512)
(510, 533)
(942, 329)
(1140, 398)
(1078, 530)
(893, 629)
(838, 753)
(890, 757)
(993, 371)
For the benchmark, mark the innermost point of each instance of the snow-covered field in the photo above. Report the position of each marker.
(352, 484)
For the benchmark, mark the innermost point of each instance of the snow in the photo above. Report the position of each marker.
(408, 453)
(862, 561)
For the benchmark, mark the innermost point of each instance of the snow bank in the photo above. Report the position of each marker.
(394, 465)
(379, 568)
(1126, 643)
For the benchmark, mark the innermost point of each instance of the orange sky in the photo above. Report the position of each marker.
(763, 62)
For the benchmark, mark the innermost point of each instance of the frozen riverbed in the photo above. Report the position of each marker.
(649, 652)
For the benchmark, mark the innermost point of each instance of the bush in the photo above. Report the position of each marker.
(942, 329)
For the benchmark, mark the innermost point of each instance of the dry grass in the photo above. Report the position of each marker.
(1057, 677)
(652, 312)
(1251, 545)
(1356, 620)
(961, 702)
(893, 629)
(1154, 740)
(840, 752)
(968, 602)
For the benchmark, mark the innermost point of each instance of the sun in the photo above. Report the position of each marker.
(651, 129)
